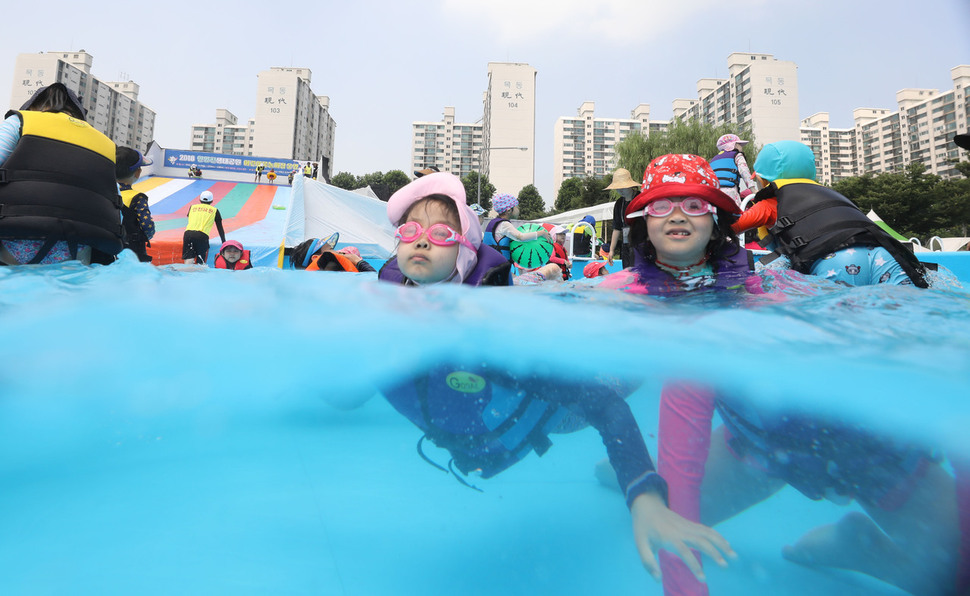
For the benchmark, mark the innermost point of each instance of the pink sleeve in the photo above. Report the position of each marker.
(686, 411)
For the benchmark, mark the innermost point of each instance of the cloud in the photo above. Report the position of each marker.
(591, 22)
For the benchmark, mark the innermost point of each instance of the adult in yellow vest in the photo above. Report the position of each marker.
(59, 195)
(195, 240)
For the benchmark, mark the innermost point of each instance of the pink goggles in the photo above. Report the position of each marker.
(691, 206)
(439, 234)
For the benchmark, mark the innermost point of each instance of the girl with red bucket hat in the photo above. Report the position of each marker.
(680, 228)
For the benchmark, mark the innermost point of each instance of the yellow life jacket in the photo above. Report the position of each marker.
(201, 218)
(59, 184)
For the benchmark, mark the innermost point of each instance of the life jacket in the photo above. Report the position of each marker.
(59, 184)
(503, 246)
(810, 452)
(244, 262)
(559, 252)
(726, 169)
(645, 277)
(491, 269)
(343, 261)
(134, 235)
(486, 421)
(201, 218)
(814, 221)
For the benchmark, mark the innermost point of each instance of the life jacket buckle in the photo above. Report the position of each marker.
(798, 242)
(784, 222)
(3, 176)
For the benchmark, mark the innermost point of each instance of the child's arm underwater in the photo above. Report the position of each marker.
(655, 526)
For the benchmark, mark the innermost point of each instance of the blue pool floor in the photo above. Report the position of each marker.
(287, 495)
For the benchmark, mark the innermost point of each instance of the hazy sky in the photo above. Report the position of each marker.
(387, 63)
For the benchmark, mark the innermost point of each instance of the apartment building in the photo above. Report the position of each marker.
(584, 145)
(447, 145)
(112, 107)
(224, 135)
(760, 93)
(509, 126)
(920, 130)
(291, 121)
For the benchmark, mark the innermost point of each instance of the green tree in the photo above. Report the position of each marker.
(346, 181)
(530, 203)
(912, 202)
(636, 151)
(593, 193)
(471, 190)
(570, 190)
(396, 180)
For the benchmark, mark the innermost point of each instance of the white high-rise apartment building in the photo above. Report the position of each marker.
(224, 135)
(113, 108)
(584, 144)
(761, 92)
(292, 122)
(921, 131)
(509, 126)
(834, 148)
(447, 145)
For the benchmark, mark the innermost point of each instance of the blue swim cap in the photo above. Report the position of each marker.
(785, 159)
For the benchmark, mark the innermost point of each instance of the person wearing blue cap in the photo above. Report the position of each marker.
(136, 216)
(822, 232)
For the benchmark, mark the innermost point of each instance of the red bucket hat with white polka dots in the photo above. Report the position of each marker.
(677, 176)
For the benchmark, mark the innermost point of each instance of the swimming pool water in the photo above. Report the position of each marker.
(181, 430)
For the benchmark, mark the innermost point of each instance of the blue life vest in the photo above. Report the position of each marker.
(502, 246)
(487, 420)
(492, 269)
(726, 169)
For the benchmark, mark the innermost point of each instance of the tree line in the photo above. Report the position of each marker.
(384, 185)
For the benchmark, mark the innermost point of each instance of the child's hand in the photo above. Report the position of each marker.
(655, 527)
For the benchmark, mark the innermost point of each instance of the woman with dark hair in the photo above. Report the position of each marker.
(60, 197)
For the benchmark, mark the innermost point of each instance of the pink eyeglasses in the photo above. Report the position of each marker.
(691, 206)
(439, 234)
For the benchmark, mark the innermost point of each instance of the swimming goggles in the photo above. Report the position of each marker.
(439, 234)
(691, 206)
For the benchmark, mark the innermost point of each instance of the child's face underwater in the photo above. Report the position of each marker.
(679, 239)
(422, 261)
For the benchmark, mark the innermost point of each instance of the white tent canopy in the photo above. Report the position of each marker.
(599, 212)
(320, 209)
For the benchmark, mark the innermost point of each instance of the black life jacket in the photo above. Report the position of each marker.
(59, 185)
(134, 235)
(486, 420)
(492, 269)
(814, 221)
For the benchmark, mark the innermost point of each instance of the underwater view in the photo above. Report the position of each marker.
(179, 429)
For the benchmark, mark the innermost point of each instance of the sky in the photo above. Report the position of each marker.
(385, 63)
